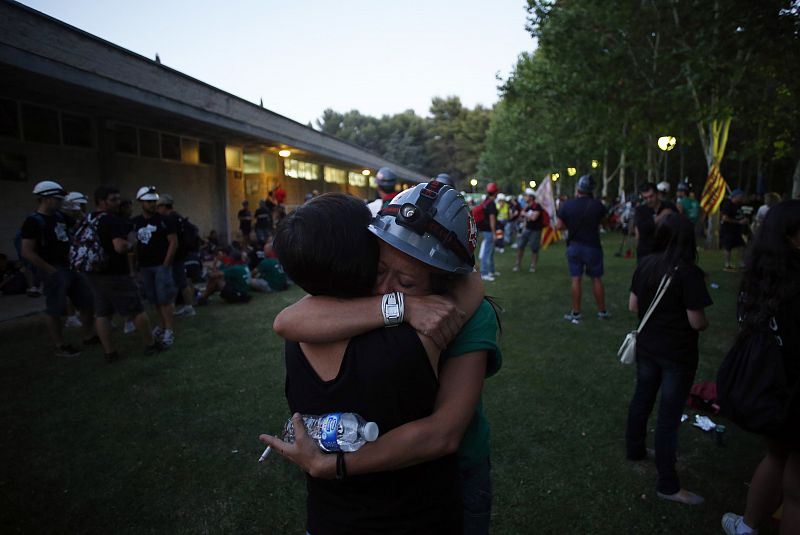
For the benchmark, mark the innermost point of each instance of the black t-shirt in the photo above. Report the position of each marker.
(668, 334)
(152, 235)
(734, 211)
(109, 227)
(264, 218)
(582, 216)
(645, 221)
(386, 377)
(244, 224)
(51, 234)
(489, 208)
(537, 224)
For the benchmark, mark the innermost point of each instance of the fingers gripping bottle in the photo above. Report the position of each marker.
(337, 431)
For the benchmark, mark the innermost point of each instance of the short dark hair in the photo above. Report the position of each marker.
(325, 248)
(647, 186)
(102, 193)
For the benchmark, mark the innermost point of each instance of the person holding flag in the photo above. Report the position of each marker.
(546, 199)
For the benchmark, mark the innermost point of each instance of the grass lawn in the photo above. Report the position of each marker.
(168, 444)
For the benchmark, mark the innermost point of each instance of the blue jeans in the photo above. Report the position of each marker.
(675, 380)
(487, 252)
(476, 490)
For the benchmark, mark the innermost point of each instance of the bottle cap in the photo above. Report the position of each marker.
(371, 431)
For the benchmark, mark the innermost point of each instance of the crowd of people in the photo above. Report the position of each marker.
(411, 256)
(93, 265)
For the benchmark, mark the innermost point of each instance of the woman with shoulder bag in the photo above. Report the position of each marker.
(771, 289)
(666, 348)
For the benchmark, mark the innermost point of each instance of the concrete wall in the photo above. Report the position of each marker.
(75, 169)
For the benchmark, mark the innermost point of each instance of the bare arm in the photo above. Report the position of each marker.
(30, 254)
(320, 319)
(633, 303)
(493, 223)
(121, 245)
(439, 434)
(697, 319)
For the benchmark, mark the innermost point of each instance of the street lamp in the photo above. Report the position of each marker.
(532, 183)
(555, 176)
(595, 163)
(284, 153)
(473, 183)
(366, 172)
(666, 143)
(571, 171)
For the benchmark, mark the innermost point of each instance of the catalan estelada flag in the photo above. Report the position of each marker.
(544, 196)
(713, 191)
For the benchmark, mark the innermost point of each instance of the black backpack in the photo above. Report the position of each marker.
(188, 236)
(752, 389)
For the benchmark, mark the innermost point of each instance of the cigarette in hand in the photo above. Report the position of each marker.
(264, 455)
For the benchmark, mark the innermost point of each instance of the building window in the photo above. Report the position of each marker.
(233, 157)
(356, 179)
(9, 119)
(206, 151)
(170, 147)
(334, 175)
(76, 130)
(252, 162)
(40, 125)
(298, 169)
(125, 139)
(149, 145)
(189, 150)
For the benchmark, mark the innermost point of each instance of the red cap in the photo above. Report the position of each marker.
(491, 187)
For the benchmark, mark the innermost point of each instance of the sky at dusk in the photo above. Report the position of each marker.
(304, 56)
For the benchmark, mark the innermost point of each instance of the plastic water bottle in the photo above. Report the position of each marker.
(337, 431)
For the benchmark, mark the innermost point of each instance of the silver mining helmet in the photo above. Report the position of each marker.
(432, 223)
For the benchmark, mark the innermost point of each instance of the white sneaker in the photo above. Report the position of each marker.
(186, 310)
(501, 250)
(167, 338)
(487, 278)
(733, 524)
(532, 270)
(129, 327)
(514, 246)
(73, 321)
(496, 274)
(158, 332)
(515, 269)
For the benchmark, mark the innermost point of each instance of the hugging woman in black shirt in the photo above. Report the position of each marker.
(666, 348)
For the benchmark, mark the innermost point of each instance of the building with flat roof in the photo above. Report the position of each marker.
(82, 111)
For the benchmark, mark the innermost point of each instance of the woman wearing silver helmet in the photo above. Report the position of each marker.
(427, 238)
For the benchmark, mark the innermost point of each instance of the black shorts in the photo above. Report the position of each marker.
(731, 241)
(115, 293)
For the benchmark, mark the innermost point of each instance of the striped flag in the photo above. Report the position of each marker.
(713, 191)
(544, 196)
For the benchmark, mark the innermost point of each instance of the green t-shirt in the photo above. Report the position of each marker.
(238, 276)
(691, 208)
(270, 270)
(478, 334)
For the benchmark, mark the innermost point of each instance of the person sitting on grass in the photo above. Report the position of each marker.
(269, 275)
(230, 276)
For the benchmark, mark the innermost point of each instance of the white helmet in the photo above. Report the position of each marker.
(48, 188)
(147, 193)
(530, 191)
(77, 197)
(663, 186)
(501, 197)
